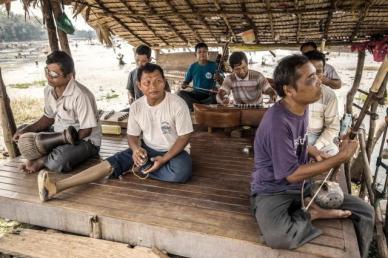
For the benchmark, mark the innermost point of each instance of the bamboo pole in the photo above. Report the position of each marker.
(356, 82)
(372, 127)
(57, 11)
(373, 97)
(51, 30)
(7, 121)
(380, 237)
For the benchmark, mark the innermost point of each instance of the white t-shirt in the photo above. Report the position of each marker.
(161, 124)
(76, 107)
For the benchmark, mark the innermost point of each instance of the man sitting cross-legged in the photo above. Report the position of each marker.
(66, 103)
(247, 86)
(281, 165)
(163, 120)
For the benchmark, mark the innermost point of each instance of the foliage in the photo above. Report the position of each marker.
(26, 110)
(26, 85)
(16, 28)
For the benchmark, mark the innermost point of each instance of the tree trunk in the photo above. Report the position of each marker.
(51, 29)
(57, 11)
(356, 83)
(7, 121)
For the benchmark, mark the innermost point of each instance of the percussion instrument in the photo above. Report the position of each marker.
(36, 145)
(229, 116)
(114, 118)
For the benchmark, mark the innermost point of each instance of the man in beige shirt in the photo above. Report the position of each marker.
(67, 103)
(324, 124)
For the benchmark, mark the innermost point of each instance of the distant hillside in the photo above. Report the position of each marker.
(15, 28)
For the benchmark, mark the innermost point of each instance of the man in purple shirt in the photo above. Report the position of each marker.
(281, 165)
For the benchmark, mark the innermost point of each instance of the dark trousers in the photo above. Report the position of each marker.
(191, 97)
(178, 169)
(284, 225)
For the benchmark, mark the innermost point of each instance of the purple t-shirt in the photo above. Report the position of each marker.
(280, 148)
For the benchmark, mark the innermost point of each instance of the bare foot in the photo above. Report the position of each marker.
(317, 212)
(33, 166)
(23, 168)
(46, 187)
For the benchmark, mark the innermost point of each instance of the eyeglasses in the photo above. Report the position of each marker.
(52, 74)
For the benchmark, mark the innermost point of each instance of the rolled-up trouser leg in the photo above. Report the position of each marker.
(178, 169)
(65, 157)
(283, 224)
(363, 220)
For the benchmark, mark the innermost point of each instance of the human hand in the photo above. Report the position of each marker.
(217, 77)
(158, 162)
(347, 147)
(317, 154)
(226, 101)
(138, 156)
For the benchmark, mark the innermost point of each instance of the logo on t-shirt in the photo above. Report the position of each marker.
(208, 75)
(166, 128)
(300, 144)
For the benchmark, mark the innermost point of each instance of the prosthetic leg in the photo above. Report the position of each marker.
(48, 188)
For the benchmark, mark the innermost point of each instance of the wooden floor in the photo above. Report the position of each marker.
(207, 217)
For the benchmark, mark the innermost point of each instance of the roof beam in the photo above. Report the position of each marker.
(144, 22)
(250, 22)
(121, 23)
(168, 23)
(205, 13)
(363, 12)
(201, 19)
(333, 4)
(197, 36)
(270, 18)
(224, 17)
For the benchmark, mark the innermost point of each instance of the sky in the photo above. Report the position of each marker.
(79, 22)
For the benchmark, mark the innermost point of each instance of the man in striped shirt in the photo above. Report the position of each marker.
(246, 86)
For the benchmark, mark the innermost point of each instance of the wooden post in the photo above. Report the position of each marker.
(157, 55)
(51, 29)
(356, 82)
(7, 121)
(57, 11)
(323, 45)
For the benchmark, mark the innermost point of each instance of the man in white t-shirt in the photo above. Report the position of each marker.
(163, 120)
(66, 103)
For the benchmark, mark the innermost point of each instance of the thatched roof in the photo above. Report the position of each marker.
(175, 23)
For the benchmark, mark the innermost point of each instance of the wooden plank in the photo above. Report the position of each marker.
(180, 242)
(212, 210)
(239, 225)
(48, 244)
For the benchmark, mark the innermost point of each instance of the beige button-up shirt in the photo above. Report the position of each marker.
(77, 107)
